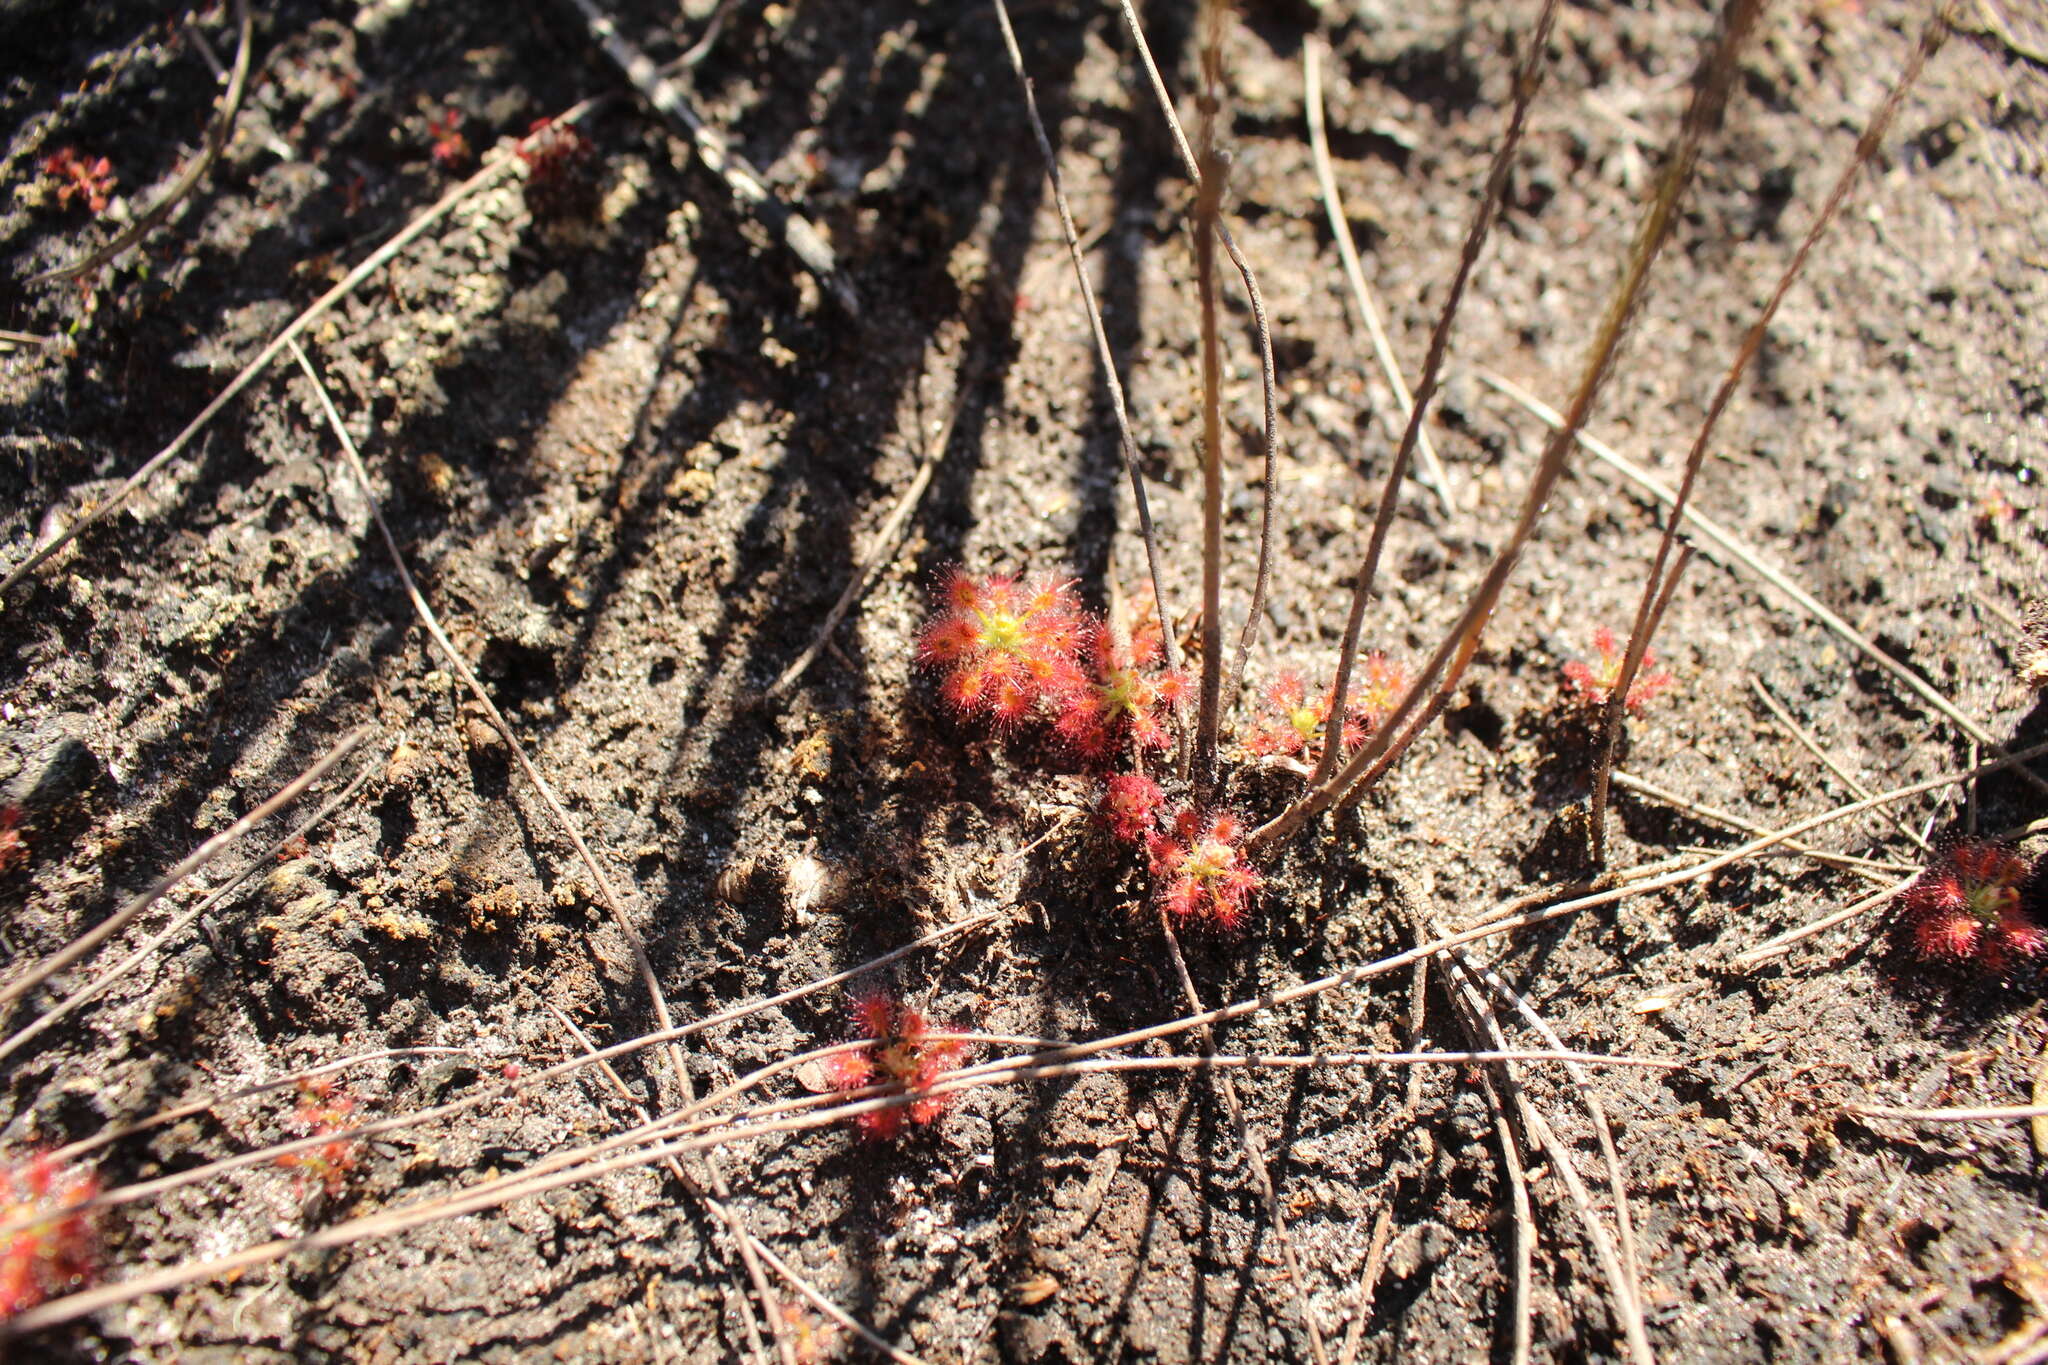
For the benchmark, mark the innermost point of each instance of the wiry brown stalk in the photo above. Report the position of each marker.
(1528, 77)
(1268, 377)
(1654, 587)
(87, 992)
(1644, 630)
(1711, 88)
(678, 1067)
(1485, 1028)
(198, 858)
(1254, 1151)
(1208, 209)
(216, 142)
(495, 169)
(577, 1165)
(1127, 443)
(1747, 556)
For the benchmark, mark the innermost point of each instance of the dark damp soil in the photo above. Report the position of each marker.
(634, 459)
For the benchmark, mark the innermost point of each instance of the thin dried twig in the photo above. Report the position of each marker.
(730, 1217)
(1640, 635)
(198, 858)
(1368, 1285)
(1254, 1151)
(1110, 380)
(741, 180)
(1209, 187)
(1712, 87)
(1782, 944)
(1361, 292)
(879, 552)
(1990, 1114)
(1262, 329)
(493, 170)
(1603, 1131)
(648, 980)
(216, 142)
(1720, 535)
(1871, 869)
(1528, 76)
(1656, 587)
(1627, 1302)
(569, 1168)
(177, 926)
(1827, 760)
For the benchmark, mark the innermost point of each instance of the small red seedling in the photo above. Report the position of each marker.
(901, 1052)
(1967, 908)
(561, 172)
(1199, 872)
(1130, 807)
(13, 843)
(323, 1109)
(1297, 727)
(89, 179)
(55, 1253)
(451, 148)
(1005, 646)
(1129, 695)
(1593, 684)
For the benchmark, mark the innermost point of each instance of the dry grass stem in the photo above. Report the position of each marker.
(1712, 87)
(1104, 357)
(1263, 332)
(1663, 571)
(749, 191)
(1827, 760)
(1528, 76)
(1255, 1154)
(1361, 293)
(198, 858)
(1871, 869)
(216, 142)
(258, 863)
(1714, 531)
(494, 169)
(1782, 944)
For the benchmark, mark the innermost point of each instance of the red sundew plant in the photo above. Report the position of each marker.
(1967, 908)
(1006, 647)
(90, 179)
(1130, 807)
(13, 843)
(1199, 871)
(1130, 695)
(901, 1052)
(1592, 684)
(323, 1109)
(1297, 728)
(561, 172)
(451, 148)
(57, 1252)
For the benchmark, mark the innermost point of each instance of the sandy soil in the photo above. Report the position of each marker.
(633, 460)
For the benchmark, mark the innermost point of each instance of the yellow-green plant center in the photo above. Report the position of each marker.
(1989, 900)
(1000, 631)
(1305, 721)
(1209, 861)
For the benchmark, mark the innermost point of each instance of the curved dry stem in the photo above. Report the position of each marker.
(198, 858)
(494, 170)
(1528, 76)
(1711, 88)
(216, 142)
(1127, 442)
(84, 994)
(1656, 588)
